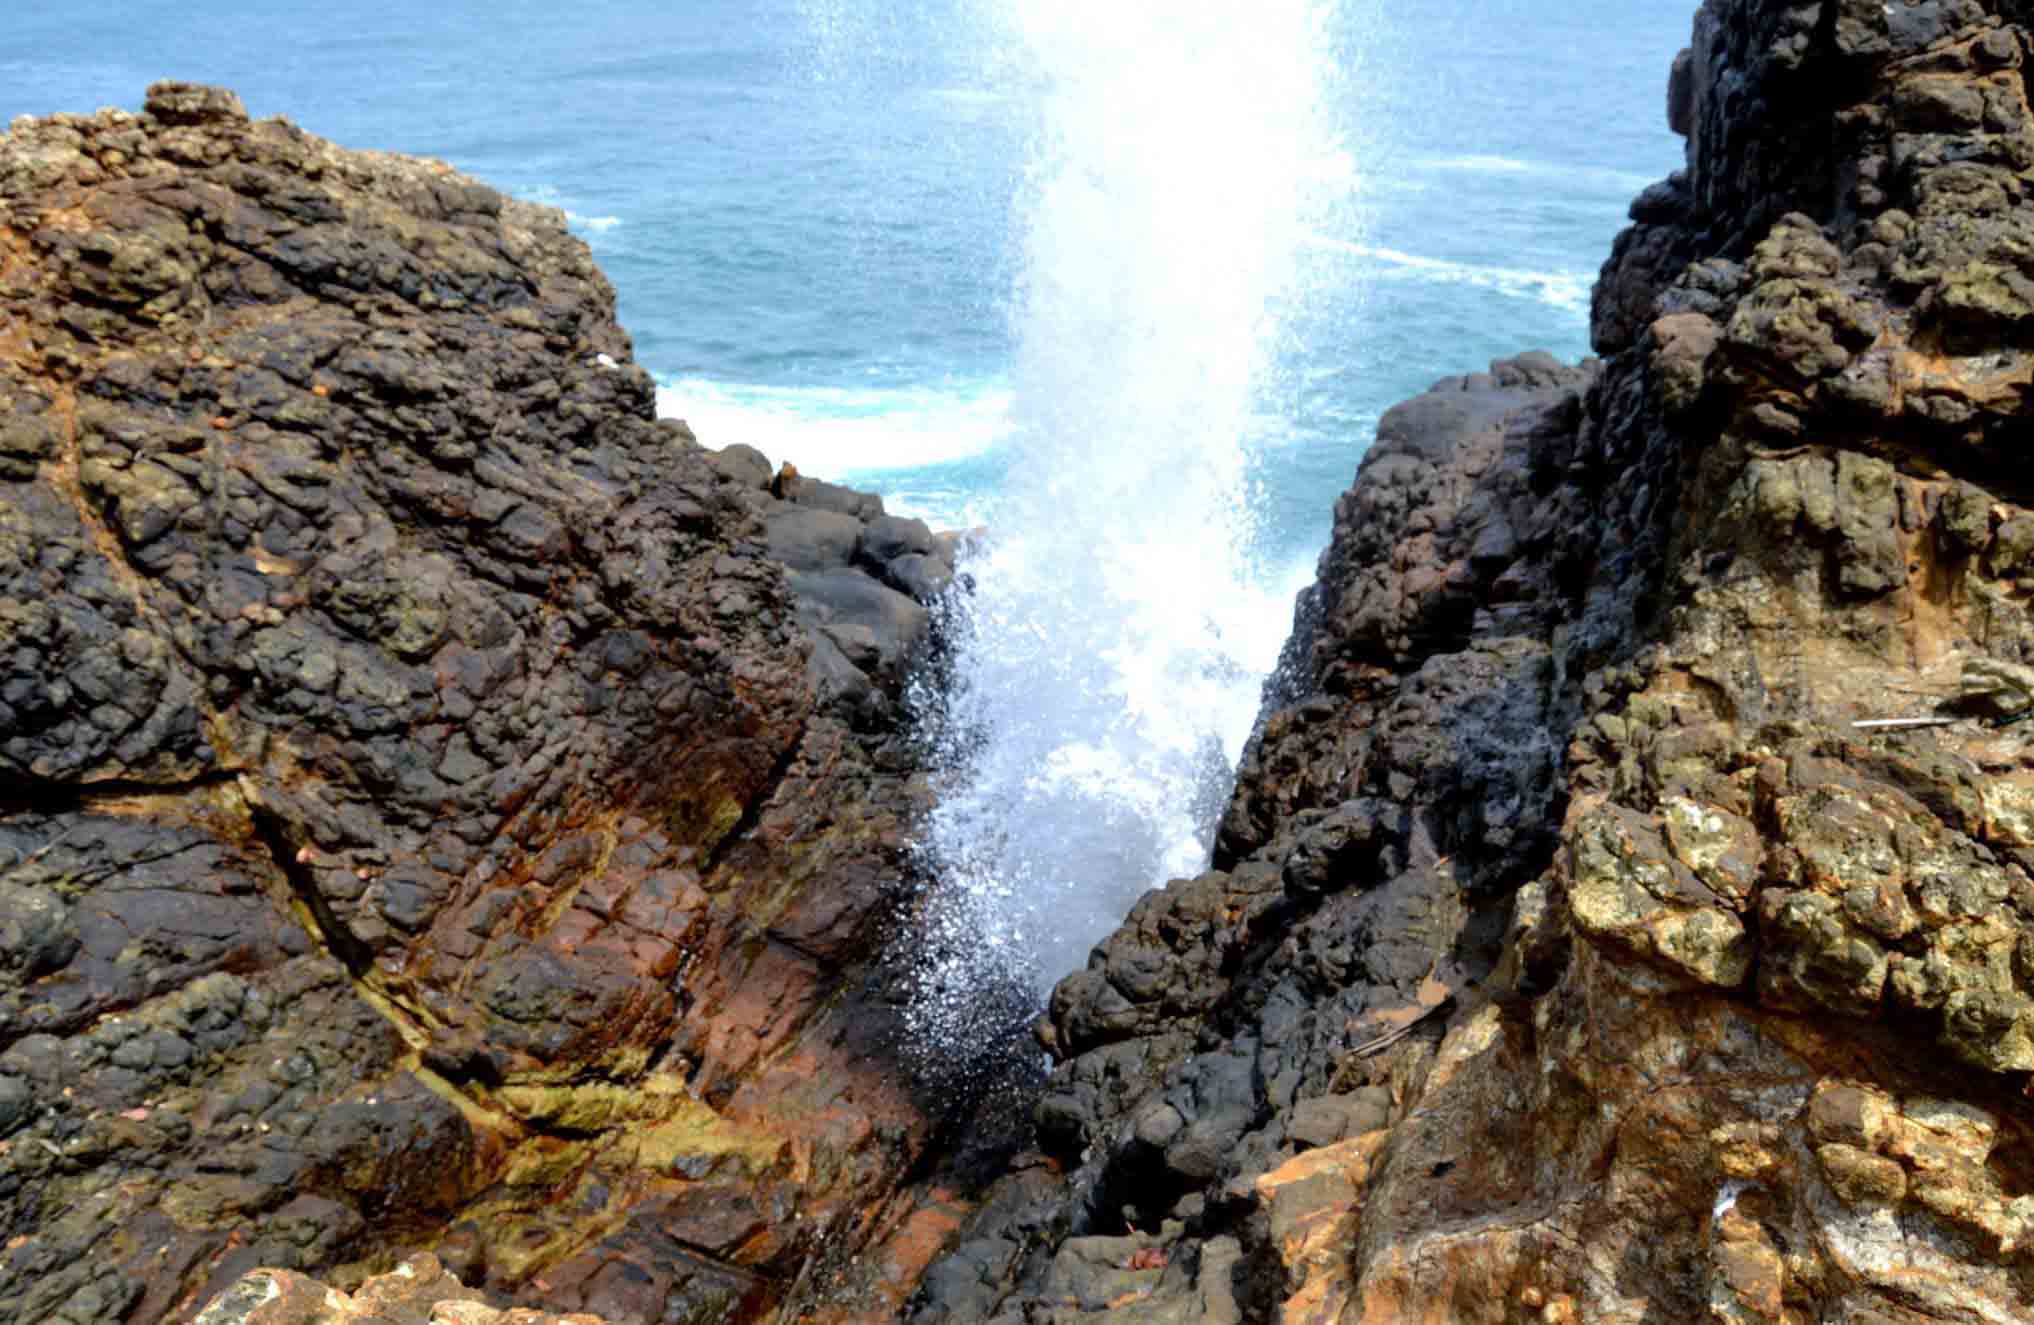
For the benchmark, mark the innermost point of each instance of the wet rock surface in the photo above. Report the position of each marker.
(441, 806)
(1569, 955)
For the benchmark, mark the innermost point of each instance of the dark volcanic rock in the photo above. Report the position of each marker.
(434, 820)
(1569, 955)
(419, 827)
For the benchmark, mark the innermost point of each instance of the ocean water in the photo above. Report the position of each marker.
(811, 208)
(1127, 283)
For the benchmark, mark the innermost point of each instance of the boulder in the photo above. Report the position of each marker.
(744, 464)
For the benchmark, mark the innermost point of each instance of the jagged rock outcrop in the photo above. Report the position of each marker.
(1570, 955)
(445, 809)
(432, 816)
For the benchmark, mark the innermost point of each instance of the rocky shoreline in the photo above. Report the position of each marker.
(441, 807)
(444, 810)
(1570, 955)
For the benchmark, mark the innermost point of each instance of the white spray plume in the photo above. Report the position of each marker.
(1117, 638)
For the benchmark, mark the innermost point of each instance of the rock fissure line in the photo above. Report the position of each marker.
(41, 796)
(752, 813)
(313, 910)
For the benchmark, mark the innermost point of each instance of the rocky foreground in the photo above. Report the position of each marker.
(441, 808)
(447, 811)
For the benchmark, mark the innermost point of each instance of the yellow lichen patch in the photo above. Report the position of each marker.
(704, 813)
(481, 1119)
(1623, 887)
(521, 1246)
(544, 1162)
(591, 1107)
(656, 1123)
(587, 1109)
(1748, 1150)
(623, 1062)
(696, 1140)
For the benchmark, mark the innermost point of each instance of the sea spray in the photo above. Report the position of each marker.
(1108, 662)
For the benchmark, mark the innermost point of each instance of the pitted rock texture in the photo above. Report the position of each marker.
(1570, 956)
(432, 816)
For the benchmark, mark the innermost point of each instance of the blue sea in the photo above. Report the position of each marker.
(1128, 282)
(810, 210)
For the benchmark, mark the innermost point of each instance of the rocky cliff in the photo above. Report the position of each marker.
(441, 807)
(446, 810)
(1570, 954)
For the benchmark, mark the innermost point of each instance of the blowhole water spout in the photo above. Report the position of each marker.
(1110, 663)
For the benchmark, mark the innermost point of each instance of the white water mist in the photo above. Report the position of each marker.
(1118, 634)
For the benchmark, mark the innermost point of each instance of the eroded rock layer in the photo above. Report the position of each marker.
(1570, 955)
(440, 806)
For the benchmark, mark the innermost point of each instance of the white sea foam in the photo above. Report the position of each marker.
(1117, 639)
(1562, 289)
(595, 230)
(942, 506)
(840, 433)
(1616, 180)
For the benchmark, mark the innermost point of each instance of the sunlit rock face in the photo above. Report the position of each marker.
(1570, 955)
(438, 818)
(441, 807)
